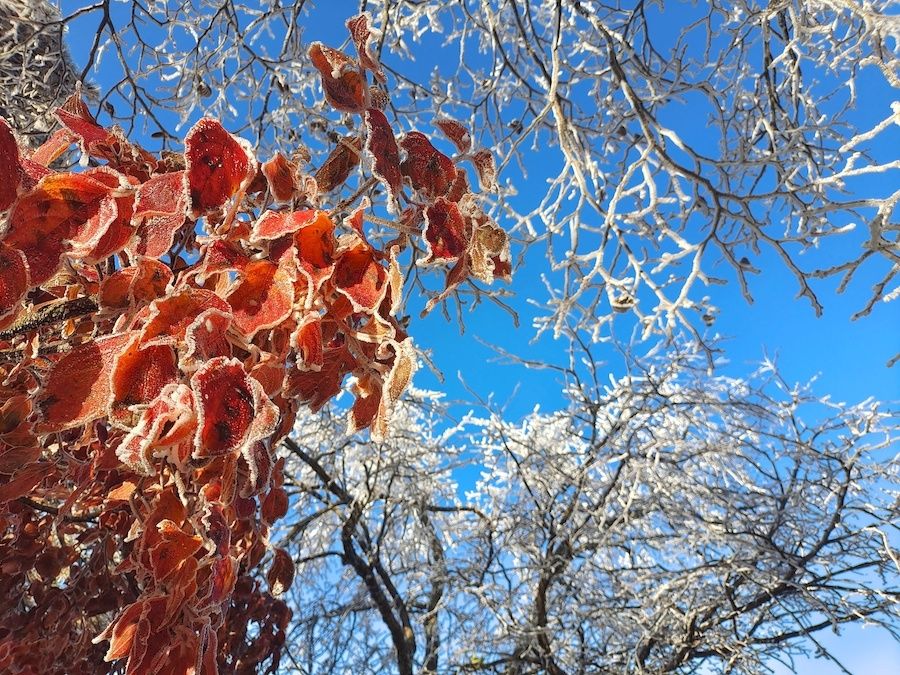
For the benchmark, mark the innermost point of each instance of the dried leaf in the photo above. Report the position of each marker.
(342, 82)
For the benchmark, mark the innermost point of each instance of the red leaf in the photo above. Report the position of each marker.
(275, 505)
(12, 458)
(317, 387)
(281, 573)
(368, 400)
(217, 528)
(225, 406)
(78, 388)
(13, 279)
(222, 578)
(143, 282)
(259, 464)
(276, 224)
(446, 233)
(108, 144)
(459, 188)
(52, 149)
(209, 652)
(456, 132)
(355, 220)
(455, 276)
(362, 35)
(165, 428)
(218, 165)
(428, 170)
(22, 482)
(381, 144)
(204, 339)
(117, 235)
(342, 160)
(360, 278)
(13, 412)
(151, 640)
(376, 396)
(82, 123)
(9, 166)
(161, 208)
(223, 256)
(170, 317)
(342, 82)
(87, 236)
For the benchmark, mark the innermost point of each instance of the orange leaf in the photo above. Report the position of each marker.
(205, 339)
(79, 386)
(275, 224)
(139, 375)
(281, 175)
(42, 220)
(121, 632)
(165, 428)
(143, 282)
(360, 278)
(265, 294)
(315, 244)
(307, 340)
(170, 316)
(368, 400)
(51, 150)
(343, 83)
(175, 547)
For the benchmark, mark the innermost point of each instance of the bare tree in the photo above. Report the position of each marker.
(667, 519)
(36, 72)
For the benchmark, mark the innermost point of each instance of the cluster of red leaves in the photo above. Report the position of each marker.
(162, 320)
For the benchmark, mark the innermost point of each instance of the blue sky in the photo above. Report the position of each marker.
(847, 357)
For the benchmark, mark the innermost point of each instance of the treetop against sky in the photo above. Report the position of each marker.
(596, 220)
